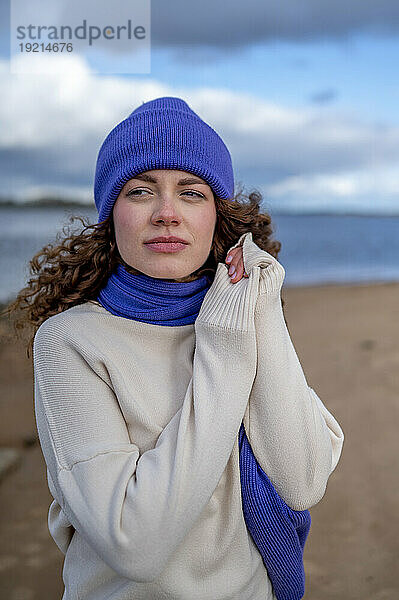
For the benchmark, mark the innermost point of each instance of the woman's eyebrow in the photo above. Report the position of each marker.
(184, 181)
(190, 180)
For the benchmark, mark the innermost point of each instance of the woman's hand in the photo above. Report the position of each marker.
(236, 264)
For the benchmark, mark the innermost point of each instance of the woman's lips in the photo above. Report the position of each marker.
(166, 246)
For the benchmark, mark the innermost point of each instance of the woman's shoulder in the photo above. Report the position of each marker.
(72, 339)
(69, 321)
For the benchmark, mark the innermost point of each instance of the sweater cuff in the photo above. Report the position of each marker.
(272, 273)
(229, 305)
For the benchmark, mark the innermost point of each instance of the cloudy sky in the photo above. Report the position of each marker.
(304, 93)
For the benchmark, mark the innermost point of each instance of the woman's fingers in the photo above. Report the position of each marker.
(236, 265)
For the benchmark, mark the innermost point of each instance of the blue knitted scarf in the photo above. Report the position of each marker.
(278, 531)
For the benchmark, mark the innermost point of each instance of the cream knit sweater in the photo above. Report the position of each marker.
(138, 424)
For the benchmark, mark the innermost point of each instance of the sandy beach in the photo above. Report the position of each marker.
(347, 339)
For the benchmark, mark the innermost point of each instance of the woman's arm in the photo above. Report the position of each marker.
(59, 527)
(135, 510)
(295, 439)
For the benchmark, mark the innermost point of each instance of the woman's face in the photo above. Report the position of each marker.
(165, 202)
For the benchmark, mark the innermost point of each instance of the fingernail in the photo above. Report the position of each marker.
(232, 270)
(228, 259)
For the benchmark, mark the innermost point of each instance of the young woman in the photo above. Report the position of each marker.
(157, 334)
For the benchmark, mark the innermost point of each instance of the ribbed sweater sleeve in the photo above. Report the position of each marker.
(295, 439)
(134, 509)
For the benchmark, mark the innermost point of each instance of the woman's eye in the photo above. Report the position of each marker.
(134, 192)
(193, 192)
(137, 192)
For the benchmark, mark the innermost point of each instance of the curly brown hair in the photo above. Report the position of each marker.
(75, 269)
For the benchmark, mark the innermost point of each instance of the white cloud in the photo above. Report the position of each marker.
(376, 190)
(64, 107)
(51, 128)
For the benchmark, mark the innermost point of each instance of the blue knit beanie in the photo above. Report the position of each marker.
(164, 133)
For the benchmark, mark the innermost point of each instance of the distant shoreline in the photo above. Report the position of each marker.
(47, 203)
(67, 204)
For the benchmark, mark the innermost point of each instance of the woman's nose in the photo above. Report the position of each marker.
(167, 211)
